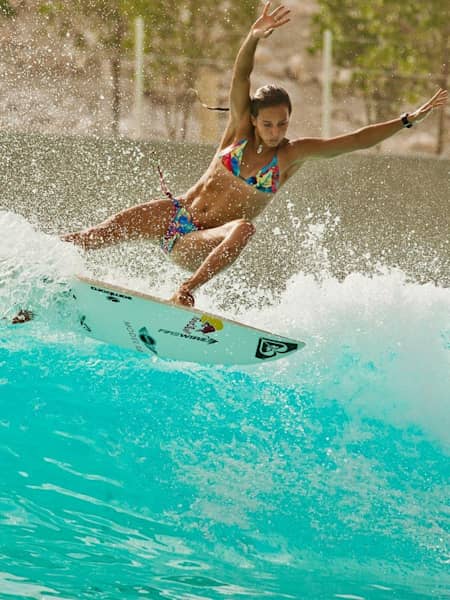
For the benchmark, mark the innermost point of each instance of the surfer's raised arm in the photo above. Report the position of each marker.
(366, 137)
(243, 65)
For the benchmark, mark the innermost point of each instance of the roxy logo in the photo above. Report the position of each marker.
(268, 348)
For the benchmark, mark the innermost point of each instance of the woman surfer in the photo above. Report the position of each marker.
(205, 229)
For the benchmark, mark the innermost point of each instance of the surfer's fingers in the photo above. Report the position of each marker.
(265, 11)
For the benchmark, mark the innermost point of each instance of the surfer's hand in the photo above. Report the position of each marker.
(266, 23)
(183, 297)
(438, 100)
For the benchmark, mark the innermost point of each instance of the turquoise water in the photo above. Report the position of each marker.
(321, 476)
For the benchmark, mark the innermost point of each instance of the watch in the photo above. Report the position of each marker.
(406, 122)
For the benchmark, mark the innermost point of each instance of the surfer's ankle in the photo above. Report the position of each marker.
(183, 297)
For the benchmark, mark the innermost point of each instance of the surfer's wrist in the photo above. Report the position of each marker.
(255, 35)
(406, 120)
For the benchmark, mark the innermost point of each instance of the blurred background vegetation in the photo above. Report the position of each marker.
(388, 45)
(179, 37)
(385, 52)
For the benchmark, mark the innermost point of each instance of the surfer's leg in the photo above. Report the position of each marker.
(207, 252)
(146, 221)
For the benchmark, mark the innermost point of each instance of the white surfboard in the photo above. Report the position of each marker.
(131, 319)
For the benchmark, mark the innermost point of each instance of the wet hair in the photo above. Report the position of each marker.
(268, 95)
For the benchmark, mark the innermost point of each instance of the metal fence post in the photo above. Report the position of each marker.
(327, 77)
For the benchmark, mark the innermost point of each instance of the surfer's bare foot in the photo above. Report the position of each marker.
(183, 297)
(22, 317)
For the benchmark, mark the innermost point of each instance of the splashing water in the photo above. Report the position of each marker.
(29, 263)
(324, 475)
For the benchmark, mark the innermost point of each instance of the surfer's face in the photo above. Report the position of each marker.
(271, 124)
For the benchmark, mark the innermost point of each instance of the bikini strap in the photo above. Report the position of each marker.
(163, 185)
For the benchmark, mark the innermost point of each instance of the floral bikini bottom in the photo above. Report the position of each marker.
(181, 224)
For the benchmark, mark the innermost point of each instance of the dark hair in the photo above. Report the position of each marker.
(268, 95)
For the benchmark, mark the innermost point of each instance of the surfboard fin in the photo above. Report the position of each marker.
(23, 316)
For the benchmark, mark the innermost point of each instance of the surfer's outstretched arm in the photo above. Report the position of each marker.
(239, 95)
(243, 65)
(366, 137)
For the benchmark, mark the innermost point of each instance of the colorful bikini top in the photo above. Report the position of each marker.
(267, 179)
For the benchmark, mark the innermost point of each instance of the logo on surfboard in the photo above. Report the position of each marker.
(268, 348)
(84, 324)
(147, 340)
(111, 295)
(204, 324)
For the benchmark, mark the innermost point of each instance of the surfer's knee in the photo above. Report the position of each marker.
(90, 239)
(83, 239)
(244, 230)
(75, 238)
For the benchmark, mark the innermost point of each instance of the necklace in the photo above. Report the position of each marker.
(259, 149)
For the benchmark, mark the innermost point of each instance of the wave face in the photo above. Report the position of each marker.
(323, 475)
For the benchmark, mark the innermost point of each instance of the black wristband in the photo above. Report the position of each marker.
(406, 122)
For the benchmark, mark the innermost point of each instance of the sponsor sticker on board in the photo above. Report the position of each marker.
(268, 348)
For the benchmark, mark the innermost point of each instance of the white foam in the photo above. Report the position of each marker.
(379, 344)
(32, 264)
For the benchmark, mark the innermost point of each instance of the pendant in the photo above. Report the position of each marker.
(259, 149)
